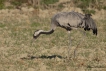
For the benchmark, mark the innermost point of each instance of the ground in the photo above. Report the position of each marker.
(20, 52)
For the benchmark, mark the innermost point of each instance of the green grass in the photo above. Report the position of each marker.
(2, 25)
(2, 6)
(49, 1)
(18, 2)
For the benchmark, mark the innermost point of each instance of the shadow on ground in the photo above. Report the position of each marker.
(58, 56)
(42, 57)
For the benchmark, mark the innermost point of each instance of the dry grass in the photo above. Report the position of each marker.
(18, 51)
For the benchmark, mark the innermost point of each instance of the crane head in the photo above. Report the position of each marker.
(37, 34)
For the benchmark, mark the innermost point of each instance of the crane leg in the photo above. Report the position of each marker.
(81, 40)
(69, 45)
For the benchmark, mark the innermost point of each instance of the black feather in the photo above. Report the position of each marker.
(90, 24)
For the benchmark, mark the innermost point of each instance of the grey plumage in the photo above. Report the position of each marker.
(68, 21)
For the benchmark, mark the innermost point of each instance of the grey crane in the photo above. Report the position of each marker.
(68, 21)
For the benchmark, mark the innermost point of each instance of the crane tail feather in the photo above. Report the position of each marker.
(90, 24)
